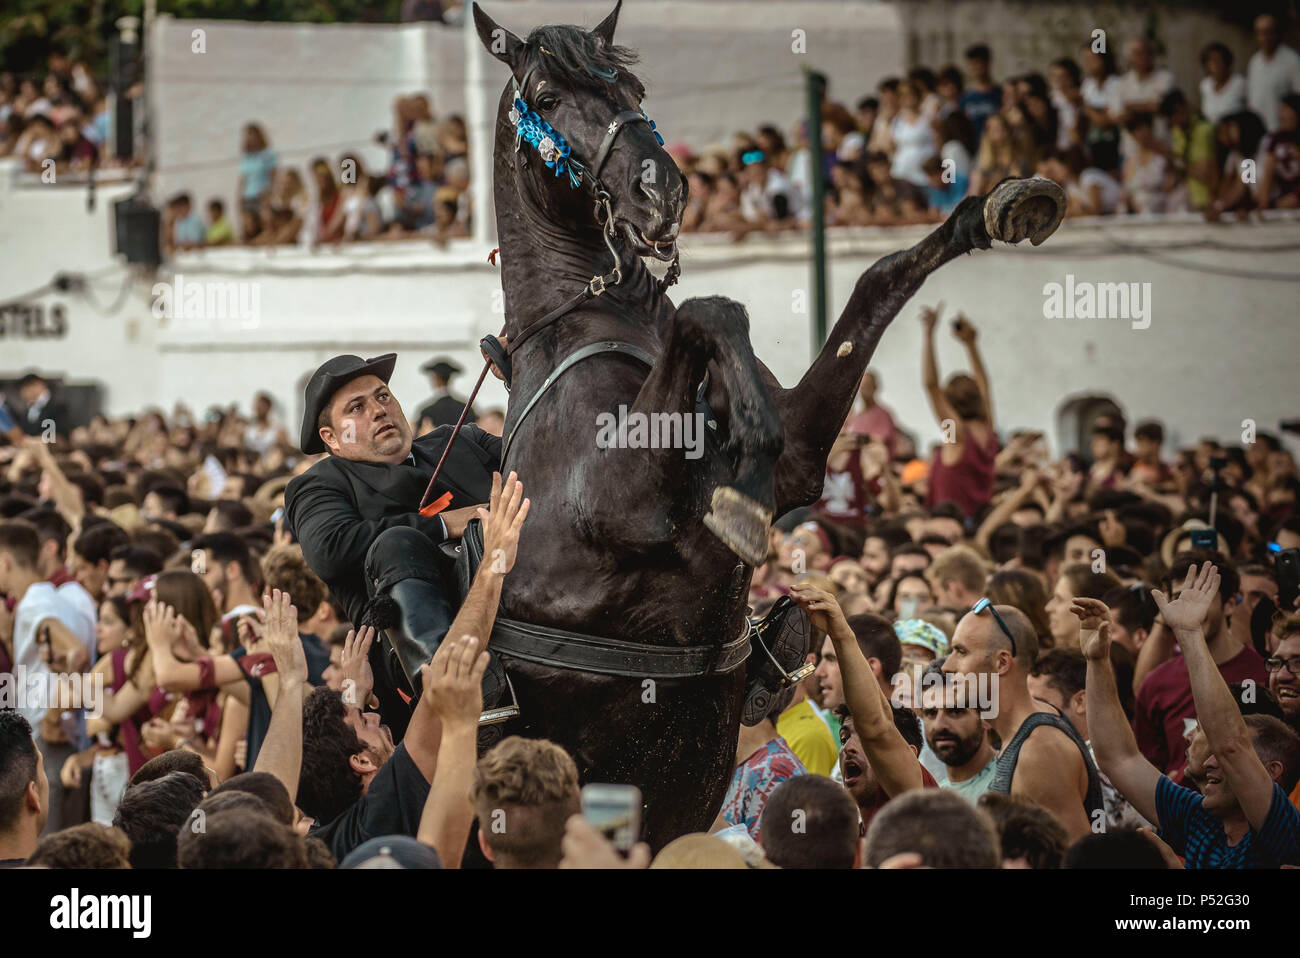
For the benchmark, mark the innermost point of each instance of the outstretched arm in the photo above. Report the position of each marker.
(966, 333)
(891, 758)
(930, 367)
(1111, 735)
(453, 687)
(501, 524)
(281, 752)
(1220, 716)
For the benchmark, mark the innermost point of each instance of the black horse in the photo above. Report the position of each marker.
(648, 552)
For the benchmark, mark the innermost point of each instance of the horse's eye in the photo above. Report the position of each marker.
(547, 102)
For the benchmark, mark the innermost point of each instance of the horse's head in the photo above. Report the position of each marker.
(585, 150)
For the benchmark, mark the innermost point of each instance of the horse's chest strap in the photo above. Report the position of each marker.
(586, 352)
(561, 649)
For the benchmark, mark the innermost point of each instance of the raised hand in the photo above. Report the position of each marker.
(963, 330)
(502, 520)
(354, 666)
(281, 637)
(1094, 621)
(161, 624)
(930, 316)
(823, 611)
(1187, 612)
(453, 681)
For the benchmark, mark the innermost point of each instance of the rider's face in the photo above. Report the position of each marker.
(367, 423)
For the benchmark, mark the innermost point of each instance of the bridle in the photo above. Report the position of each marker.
(557, 154)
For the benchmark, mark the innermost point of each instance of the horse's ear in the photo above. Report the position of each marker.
(605, 29)
(500, 42)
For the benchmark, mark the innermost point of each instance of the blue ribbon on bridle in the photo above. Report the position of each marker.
(551, 145)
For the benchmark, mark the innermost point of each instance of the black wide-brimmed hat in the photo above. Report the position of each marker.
(442, 366)
(329, 379)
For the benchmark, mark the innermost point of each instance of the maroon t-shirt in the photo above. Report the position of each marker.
(969, 481)
(1165, 700)
(927, 781)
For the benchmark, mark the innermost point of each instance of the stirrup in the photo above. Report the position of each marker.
(495, 716)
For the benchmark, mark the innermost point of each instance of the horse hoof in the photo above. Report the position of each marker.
(741, 523)
(1020, 209)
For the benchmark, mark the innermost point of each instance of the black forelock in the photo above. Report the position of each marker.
(580, 58)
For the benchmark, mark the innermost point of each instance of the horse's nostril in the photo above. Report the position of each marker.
(650, 189)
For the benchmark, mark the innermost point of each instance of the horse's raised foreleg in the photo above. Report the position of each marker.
(813, 411)
(713, 332)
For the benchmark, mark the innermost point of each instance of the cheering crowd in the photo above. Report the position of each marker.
(1016, 661)
(1140, 140)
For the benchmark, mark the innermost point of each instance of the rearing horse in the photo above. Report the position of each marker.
(635, 563)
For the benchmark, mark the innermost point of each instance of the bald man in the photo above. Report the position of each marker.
(1042, 758)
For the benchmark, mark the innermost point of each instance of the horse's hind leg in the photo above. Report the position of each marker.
(813, 411)
(716, 329)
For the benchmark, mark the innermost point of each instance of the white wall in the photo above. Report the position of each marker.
(1219, 350)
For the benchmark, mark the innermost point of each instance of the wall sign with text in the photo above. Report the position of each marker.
(33, 321)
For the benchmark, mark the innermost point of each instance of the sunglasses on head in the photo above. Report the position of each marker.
(983, 604)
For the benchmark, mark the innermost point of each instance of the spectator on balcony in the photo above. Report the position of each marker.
(948, 87)
(882, 138)
(846, 202)
(1002, 153)
(892, 201)
(1279, 175)
(1067, 98)
(328, 220)
(284, 210)
(1222, 91)
(220, 232)
(182, 227)
(1273, 71)
(982, 97)
(79, 154)
(1239, 136)
(913, 136)
(1191, 151)
(1100, 90)
(361, 216)
(1143, 86)
(1147, 176)
(256, 170)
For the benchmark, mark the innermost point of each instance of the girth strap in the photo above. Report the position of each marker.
(589, 653)
(586, 352)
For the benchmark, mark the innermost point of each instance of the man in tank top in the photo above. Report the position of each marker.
(1042, 758)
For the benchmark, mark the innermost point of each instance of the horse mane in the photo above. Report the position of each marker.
(581, 58)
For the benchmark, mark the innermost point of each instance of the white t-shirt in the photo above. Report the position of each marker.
(1134, 89)
(1268, 80)
(1216, 104)
(1109, 188)
(43, 601)
(1099, 96)
(75, 594)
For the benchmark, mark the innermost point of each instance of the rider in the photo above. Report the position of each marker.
(356, 514)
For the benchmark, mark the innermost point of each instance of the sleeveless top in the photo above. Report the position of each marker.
(1010, 755)
(969, 481)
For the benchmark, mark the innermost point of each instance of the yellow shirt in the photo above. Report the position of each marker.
(809, 738)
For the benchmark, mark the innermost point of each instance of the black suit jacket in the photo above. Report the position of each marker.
(52, 410)
(338, 507)
(445, 410)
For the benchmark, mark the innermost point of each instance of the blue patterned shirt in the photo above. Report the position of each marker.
(1198, 836)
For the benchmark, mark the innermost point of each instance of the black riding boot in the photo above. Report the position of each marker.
(424, 616)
